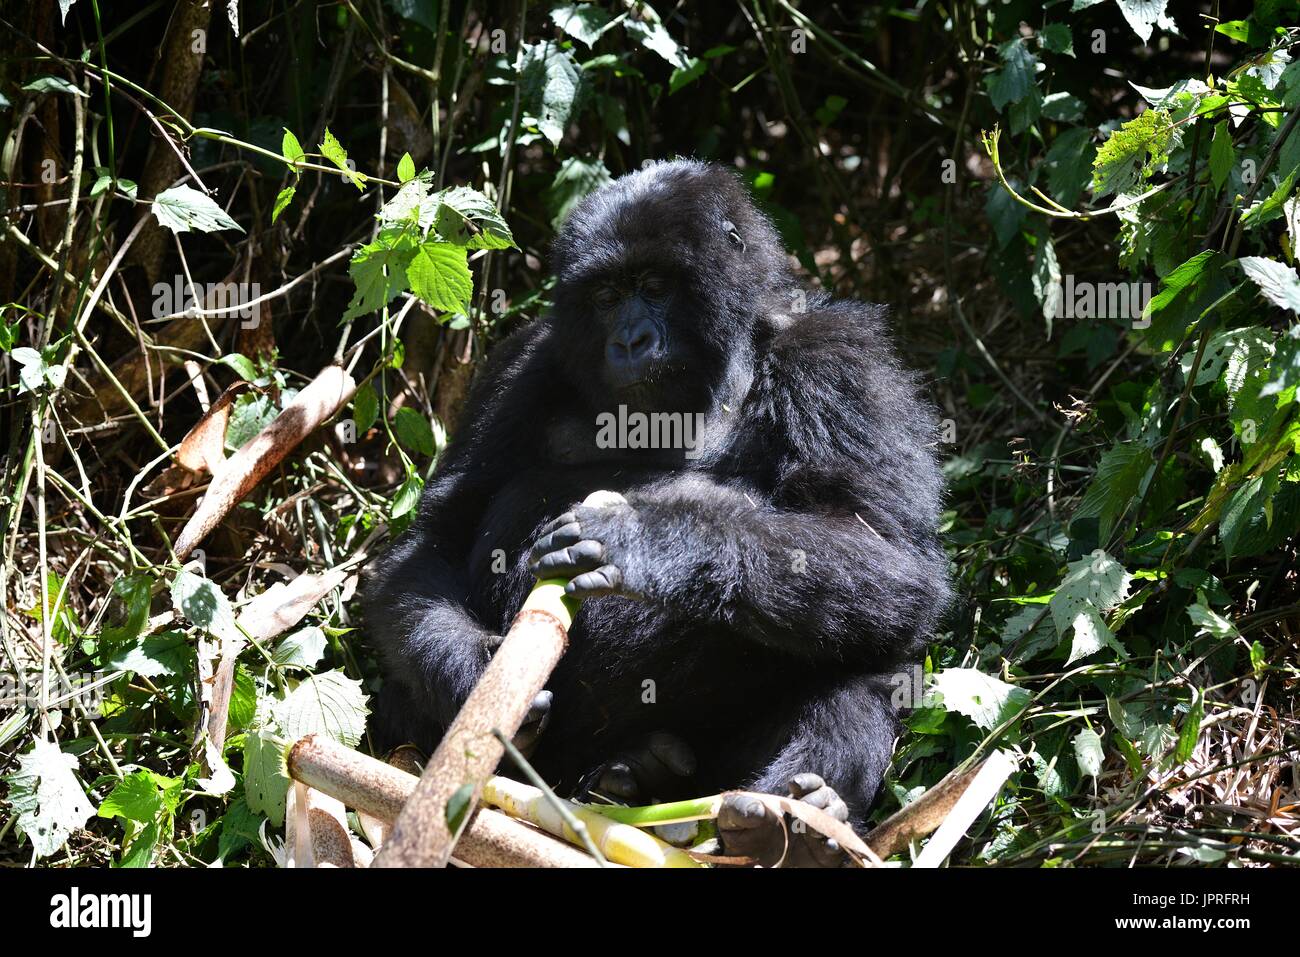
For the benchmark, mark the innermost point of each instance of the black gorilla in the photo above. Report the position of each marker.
(776, 560)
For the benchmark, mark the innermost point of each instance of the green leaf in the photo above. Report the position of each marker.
(651, 34)
(1088, 751)
(203, 603)
(54, 84)
(405, 168)
(291, 149)
(413, 431)
(1091, 587)
(1015, 80)
(250, 414)
(379, 271)
(166, 653)
(1210, 622)
(1247, 503)
(333, 151)
(439, 276)
(282, 201)
(1272, 207)
(551, 87)
(468, 218)
(135, 798)
(576, 178)
(365, 408)
(1069, 165)
(47, 797)
(242, 365)
(1056, 38)
(1144, 15)
(585, 22)
(407, 497)
(1190, 732)
(1277, 281)
(131, 594)
(458, 805)
(266, 777)
(984, 699)
(1117, 482)
(183, 208)
(302, 649)
(331, 704)
(1133, 153)
(1221, 155)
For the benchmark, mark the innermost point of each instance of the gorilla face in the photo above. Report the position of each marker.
(660, 286)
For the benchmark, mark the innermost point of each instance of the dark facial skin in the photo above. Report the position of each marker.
(634, 312)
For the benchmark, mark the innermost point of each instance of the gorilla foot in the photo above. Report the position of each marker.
(748, 828)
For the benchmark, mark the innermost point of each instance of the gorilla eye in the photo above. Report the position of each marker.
(654, 286)
(606, 297)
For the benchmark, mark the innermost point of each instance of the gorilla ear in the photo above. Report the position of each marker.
(733, 234)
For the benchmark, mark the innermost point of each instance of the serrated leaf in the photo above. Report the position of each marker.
(203, 603)
(1015, 80)
(266, 777)
(1133, 153)
(407, 497)
(1119, 477)
(47, 797)
(585, 22)
(551, 86)
(331, 704)
(333, 151)
(1277, 281)
(413, 431)
(54, 84)
(468, 218)
(1091, 587)
(1088, 751)
(379, 271)
(575, 179)
(132, 595)
(439, 276)
(282, 201)
(166, 653)
(1210, 622)
(1144, 15)
(135, 798)
(302, 649)
(982, 698)
(183, 208)
(654, 36)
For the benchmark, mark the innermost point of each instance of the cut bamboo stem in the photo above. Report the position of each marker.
(372, 787)
(469, 752)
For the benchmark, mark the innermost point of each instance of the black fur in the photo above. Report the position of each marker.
(818, 443)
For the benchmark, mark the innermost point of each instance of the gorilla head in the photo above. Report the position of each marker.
(661, 278)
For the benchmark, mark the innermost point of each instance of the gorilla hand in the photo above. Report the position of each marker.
(591, 546)
(652, 768)
(748, 828)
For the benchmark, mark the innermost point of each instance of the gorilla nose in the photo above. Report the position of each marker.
(631, 348)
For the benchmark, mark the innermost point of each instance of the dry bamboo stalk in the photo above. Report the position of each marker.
(920, 818)
(469, 752)
(243, 470)
(372, 787)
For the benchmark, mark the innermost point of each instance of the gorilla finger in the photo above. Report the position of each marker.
(568, 518)
(567, 562)
(743, 812)
(825, 799)
(562, 537)
(674, 753)
(617, 781)
(805, 783)
(606, 580)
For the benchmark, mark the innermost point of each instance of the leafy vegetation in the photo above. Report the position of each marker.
(1085, 214)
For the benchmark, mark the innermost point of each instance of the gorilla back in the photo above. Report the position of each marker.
(776, 560)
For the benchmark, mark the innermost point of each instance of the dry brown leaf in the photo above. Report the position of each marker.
(204, 447)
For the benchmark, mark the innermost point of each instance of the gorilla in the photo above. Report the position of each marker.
(773, 561)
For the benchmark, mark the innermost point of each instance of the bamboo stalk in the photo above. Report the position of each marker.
(469, 752)
(372, 787)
